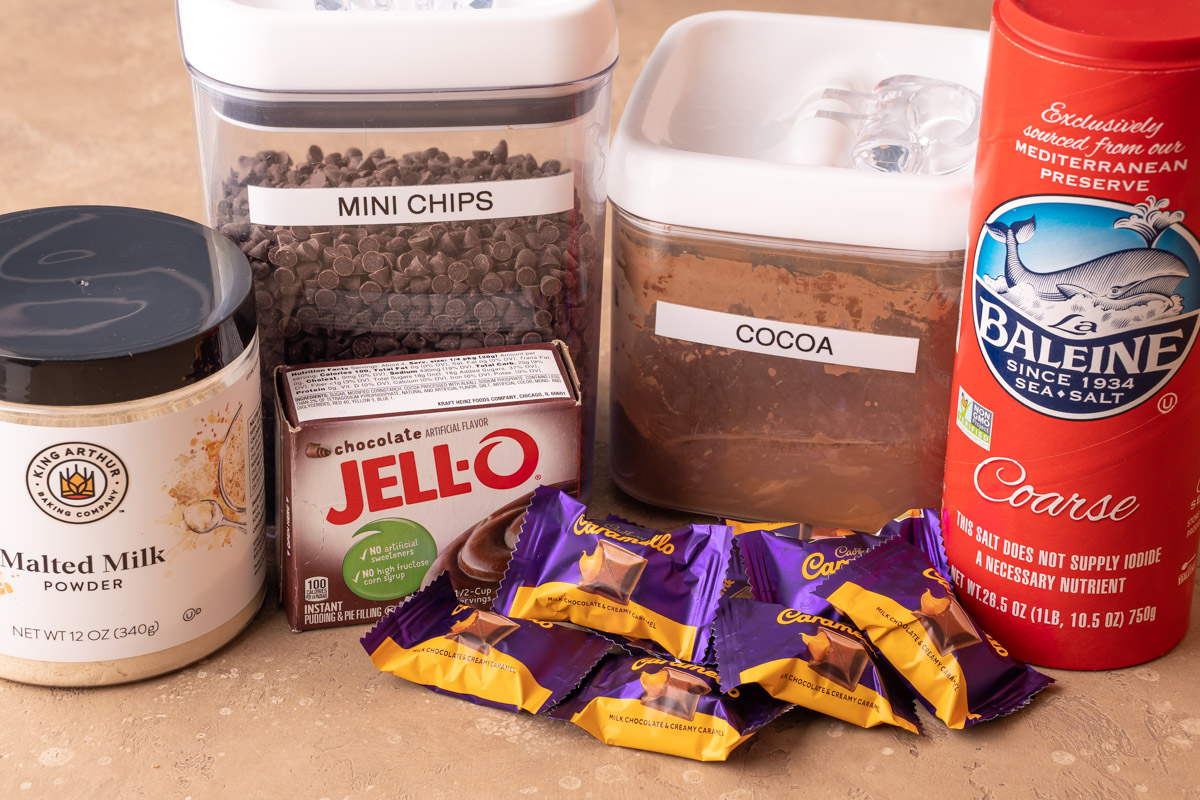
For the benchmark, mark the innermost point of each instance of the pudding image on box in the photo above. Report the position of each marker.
(393, 470)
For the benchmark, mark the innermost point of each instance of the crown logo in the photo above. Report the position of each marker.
(78, 486)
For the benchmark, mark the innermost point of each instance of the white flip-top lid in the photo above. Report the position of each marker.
(292, 46)
(719, 132)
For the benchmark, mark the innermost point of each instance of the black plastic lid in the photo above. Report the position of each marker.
(100, 304)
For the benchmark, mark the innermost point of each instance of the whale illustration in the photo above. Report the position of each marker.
(1115, 280)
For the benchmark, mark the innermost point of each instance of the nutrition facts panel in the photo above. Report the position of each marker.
(398, 386)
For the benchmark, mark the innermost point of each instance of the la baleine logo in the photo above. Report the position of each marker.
(1093, 315)
(77, 482)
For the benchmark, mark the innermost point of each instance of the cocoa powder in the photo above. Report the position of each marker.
(758, 436)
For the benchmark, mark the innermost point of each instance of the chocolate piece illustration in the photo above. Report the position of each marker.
(948, 626)
(476, 560)
(315, 450)
(481, 631)
(673, 692)
(610, 570)
(837, 657)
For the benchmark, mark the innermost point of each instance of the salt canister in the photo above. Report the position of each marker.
(1071, 485)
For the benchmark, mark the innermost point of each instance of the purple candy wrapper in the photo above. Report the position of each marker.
(736, 585)
(787, 571)
(616, 577)
(668, 707)
(479, 655)
(922, 528)
(812, 662)
(910, 614)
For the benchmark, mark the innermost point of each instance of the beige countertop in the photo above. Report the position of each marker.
(95, 107)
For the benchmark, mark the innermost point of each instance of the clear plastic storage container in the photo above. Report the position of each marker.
(409, 175)
(790, 198)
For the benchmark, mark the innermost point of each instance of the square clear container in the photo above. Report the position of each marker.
(783, 322)
(409, 176)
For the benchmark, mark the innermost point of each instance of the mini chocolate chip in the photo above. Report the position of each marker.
(370, 291)
(491, 284)
(421, 241)
(484, 310)
(373, 260)
(325, 298)
(526, 258)
(527, 276)
(502, 251)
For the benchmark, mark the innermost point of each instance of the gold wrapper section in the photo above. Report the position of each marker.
(793, 681)
(448, 664)
(565, 602)
(903, 640)
(631, 723)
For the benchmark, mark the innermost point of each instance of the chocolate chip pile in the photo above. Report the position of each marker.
(338, 292)
(354, 292)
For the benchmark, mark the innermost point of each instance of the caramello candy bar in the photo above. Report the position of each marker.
(479, 655)
(787, 571)
(616, 577)
(667, 706)
(910, 613)
(808, 661)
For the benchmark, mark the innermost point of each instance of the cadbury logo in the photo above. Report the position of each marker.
(371, 484)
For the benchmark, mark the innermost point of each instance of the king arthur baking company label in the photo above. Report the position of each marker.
(77, 482)
(128, 539)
